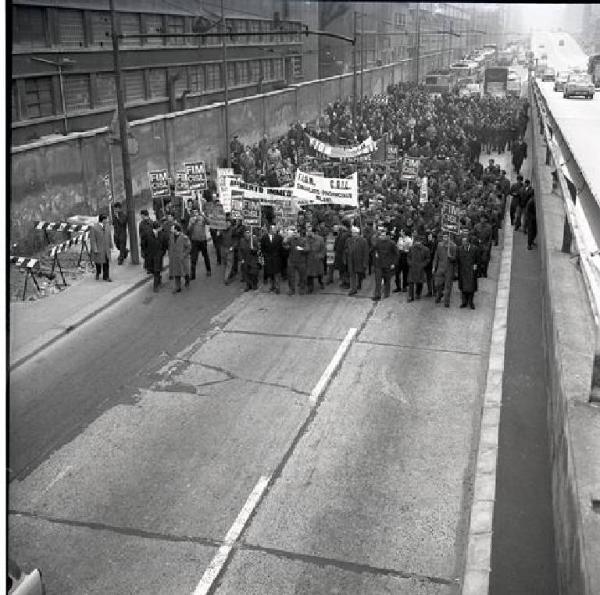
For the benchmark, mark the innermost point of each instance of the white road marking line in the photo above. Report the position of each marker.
(333, 364)
(222, 555)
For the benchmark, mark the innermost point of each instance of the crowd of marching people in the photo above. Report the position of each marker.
(393, 235)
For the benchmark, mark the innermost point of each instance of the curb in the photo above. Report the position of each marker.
(50, 337)
(476, 575)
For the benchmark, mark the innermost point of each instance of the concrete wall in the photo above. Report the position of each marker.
(574, 423)
(54, 178)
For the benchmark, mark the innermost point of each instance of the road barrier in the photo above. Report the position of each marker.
(574, 185)
(28, 264)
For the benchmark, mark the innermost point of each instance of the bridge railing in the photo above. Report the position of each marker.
(581, 229)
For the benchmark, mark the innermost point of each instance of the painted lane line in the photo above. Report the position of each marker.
(332, 367)
(223, 553)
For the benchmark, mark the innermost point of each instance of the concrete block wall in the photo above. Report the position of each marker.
(52, 179)
(574, 423)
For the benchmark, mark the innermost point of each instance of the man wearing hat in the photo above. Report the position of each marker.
(418, 257)
(385, 257)
(357, 259)
(120, 230)
(144, 229)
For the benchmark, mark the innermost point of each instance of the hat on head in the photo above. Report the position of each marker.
(144, 212)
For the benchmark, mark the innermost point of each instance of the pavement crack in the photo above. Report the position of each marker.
(276, 385)
(129, 531)
(418, 347)
(279, 335)
(346, 565)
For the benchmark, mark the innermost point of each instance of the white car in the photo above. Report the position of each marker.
(579, 84)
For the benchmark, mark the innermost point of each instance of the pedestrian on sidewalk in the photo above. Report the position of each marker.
(101, 245)
(526, 194)
(515, 193)
(249, 259)
(227, 250)
(120, 231)
(144, 229)
(531, 221)
(180, 254)
(467, 261)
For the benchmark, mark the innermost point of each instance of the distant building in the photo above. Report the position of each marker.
(62, 56)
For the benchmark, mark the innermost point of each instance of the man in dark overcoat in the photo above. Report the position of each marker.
(120, 231)
(385, 258)
(271, 247)
(467, 261)
(154, 246)
(418, 257)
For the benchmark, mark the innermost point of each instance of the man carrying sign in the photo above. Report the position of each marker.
(197, 234)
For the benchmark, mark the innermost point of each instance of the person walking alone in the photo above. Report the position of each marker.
(100, 245)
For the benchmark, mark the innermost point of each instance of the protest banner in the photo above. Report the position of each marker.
(365, 148)
(310, 189)
(224, 177)
(450, 217)
(424, 191)
(410, 168)
(216, 215)
(196, 175)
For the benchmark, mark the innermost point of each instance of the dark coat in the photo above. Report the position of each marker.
(249, 255)
(297, 250)
(467, 268)
(144, 228)
(340, 248)
(154, 249)
(385, 252)
(418, 258)
(272, 252)
(357, 254)
(444, 260)
(120, 229)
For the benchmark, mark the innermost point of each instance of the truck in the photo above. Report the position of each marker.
(495, 81)
(594, 69)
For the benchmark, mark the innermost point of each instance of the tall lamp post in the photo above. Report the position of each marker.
(225, 84)
(59, 65)
(122, 116)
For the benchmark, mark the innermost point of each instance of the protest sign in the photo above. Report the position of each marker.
(410, 168)
(424, 191)
(250, 211)
(182, 186)
(224, 177)
(216, 215)
(450, 217)
(159, 182)
(196, 175)
(310, 189)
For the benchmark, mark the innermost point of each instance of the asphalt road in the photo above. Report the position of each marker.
(175, 429)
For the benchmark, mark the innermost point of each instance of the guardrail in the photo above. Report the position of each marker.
(573, 184)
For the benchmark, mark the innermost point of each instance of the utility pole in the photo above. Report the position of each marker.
(122, 115)
(362, 60)
(225, 85)
(354, 90)
(418, 49)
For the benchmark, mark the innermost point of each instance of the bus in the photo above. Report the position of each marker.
(495, 81)
(594, 69)
(440, 81)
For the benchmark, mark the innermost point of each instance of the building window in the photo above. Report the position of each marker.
(106, 90)
(158, 82)
(38, 97)
(254, 66)
(267, 70)
(213, 77)
(130, 25)
(241, 73)
(400, 20)
(265, 27)
(101, 29)
(28, 27)
(135, 89)
(154, 24)
(196, 76)
(179, 80)
(277, 66)
(231, 74)
(77, 92)
(175, 25)
(254, 27)
(14, 102)
(70, 28)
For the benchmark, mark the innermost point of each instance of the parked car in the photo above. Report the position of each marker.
(20, 583)
(560, 80)
(579, 84)
(549, 74)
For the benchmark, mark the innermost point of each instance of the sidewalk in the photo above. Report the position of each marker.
(35, 325)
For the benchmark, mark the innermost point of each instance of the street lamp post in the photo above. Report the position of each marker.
(59, 64)
(122, 116)
(354, 90)
(225, 84)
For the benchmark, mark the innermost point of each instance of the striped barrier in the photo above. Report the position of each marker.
(28, 264)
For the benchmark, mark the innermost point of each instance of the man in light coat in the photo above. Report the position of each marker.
(101, 244)
(357, 260)
(444, 263)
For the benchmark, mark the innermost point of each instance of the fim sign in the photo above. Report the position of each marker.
(450, 217)
(159, 182)
(410, 168)
(196, 174)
